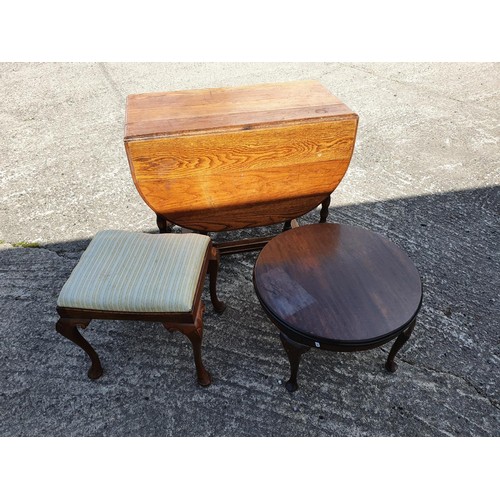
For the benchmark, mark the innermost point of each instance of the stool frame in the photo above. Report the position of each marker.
(190, 323)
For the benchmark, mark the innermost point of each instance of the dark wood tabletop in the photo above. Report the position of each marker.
(337, 284)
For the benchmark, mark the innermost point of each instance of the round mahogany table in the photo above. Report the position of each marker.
(337, 287)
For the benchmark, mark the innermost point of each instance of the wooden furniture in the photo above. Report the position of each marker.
(144, 277)
(339, 288)
(233, 158)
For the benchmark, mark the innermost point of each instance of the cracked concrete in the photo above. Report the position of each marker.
(425, 173)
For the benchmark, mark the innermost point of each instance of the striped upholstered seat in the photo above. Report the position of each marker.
(136, 272)
(143, 277)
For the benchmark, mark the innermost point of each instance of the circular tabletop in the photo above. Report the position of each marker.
(337, 284)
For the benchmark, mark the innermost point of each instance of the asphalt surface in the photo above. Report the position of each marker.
(425, 173)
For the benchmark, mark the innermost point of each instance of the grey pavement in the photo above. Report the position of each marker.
(425, 173)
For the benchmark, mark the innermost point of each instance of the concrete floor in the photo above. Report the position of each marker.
(425, 173)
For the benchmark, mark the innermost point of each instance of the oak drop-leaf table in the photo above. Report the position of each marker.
(337, 287)
(214, 160)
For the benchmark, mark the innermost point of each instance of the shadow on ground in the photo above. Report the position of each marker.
(447, 382)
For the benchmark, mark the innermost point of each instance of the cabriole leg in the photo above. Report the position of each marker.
(195, 334)
(294, 352)
(391, 365)
(68, 328)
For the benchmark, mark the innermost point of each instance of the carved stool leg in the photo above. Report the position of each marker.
(294, 352)
(403, 337)
(163, 225)
(68, 328)
(195, 334)
(324, 210)
(213, 268)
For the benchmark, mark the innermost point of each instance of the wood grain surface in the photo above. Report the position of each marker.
(337, 284)
(200, 176)
(190, 111)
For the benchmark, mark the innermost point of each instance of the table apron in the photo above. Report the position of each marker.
(337, 346)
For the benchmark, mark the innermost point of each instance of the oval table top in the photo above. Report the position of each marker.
(239, 157)
(337, 284)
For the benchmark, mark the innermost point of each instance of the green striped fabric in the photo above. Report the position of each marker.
(136, 272)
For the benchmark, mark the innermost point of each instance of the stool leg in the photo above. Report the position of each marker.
(68, 328)
(213, 269)
(194, 333)
(294, 352)
(195, 336)
(390, 364)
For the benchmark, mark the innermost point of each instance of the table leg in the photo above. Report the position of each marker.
(290, 224)
(213, 268)
(390, 364)
(324, 210)
(294, 351)
(164, 226)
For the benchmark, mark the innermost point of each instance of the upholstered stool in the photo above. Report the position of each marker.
(146, 277)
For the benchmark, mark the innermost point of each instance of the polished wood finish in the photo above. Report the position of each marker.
(188, 323)
(235, 108)
(339, 288)
(338, 283)
(223, 159)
